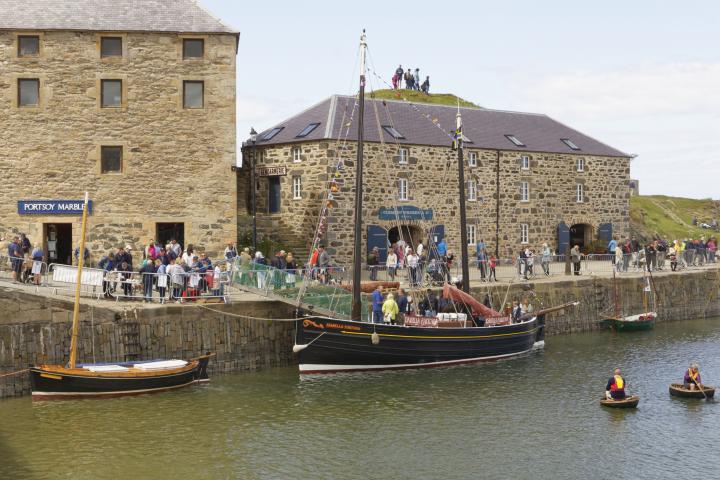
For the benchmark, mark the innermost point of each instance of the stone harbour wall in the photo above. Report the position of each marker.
(176, 165)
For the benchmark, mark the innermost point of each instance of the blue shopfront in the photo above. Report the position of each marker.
(408, 223)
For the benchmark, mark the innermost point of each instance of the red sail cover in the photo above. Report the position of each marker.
(453, 293)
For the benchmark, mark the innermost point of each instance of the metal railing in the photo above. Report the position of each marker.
(62, 278)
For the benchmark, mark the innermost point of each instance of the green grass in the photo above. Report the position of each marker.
(671, 217)
(419, 97)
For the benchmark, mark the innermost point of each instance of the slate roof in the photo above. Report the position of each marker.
(178, 16)
(418, 123)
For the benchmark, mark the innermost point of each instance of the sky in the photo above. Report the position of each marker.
(642, 76)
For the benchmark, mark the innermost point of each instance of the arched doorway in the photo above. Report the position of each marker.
(581, 234)
(410, 233)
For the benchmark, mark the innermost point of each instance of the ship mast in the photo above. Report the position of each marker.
(76, 309)
(357, 246)
(463, 220)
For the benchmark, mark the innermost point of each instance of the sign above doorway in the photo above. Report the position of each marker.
(405, 213)
(52, 207)
(271, 171)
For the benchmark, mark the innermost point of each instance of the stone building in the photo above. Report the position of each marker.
(530, 179)
(131, 101)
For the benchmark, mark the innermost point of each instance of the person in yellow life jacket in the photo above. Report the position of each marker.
(615, 388)
(692, 378)
(390, 309)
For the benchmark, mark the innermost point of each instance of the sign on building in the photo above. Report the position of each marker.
(52, 207)
(271, 171)
(405, 213)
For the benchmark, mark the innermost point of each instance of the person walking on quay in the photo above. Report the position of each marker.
(618, 258)
(37, 256)
(291, 268)
(615, 388)
(404, 305)
(260, 264)
(162, 279)
(413, 262)
(324, 264)
(377, 305)
(108, 264)
(492, 263)
(672, 253)
(661, 253)
(391, 263)
(545, 260)
(627, 254)
(650, 257)
(176, 272)
(390, 309)
(148, 276)
(576, 257)
(372, 262)
(481, 255)
(176, 248)
(230, 252)
(612, 245)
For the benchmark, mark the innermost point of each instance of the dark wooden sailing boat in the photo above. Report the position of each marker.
(110, 380)
(329, 345)
(631, 323)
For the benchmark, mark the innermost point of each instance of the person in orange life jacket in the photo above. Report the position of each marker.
(615, 388)
(692, 378)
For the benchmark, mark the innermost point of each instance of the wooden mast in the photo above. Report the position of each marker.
(76, 310)
(357, 245)
(463, 219)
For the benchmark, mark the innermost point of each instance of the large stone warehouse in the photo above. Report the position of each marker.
(530, 179)
(133, 102)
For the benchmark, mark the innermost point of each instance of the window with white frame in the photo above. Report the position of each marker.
(580, 193)
(580, 164)
(525, 162)
(296, 154)
(297, 188)
(471, 237)
(402, 189)
(472, 159)
(472, 190)
(524, 233)
(403, 156)
(524, 191)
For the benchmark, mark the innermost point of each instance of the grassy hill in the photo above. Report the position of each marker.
(419, 97)
(671, 217)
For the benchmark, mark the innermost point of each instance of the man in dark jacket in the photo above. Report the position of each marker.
(399, 72)
(148, 276)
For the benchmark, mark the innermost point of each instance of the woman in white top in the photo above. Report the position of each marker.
(391, 263)
(412, 262)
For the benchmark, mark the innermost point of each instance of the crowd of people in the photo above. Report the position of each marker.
(410, 79)
(656, 255)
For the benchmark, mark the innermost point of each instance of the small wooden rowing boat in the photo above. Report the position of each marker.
(369, 287)
(679, 390)
(627, 402)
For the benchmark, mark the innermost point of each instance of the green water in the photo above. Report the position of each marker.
(531, 417)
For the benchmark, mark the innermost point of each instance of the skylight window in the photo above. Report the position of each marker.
(570, 144)
(392, 132)
(515, 140)
(269, 135)
(307, 130)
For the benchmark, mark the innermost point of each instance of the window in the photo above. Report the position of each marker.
(28, 46)
(392, 132)
(403, 156)
(193, 93)
(580, 164)
(570, 144)
(515, 140)
(111, 95)
(296, 154)
(111, 159)
(472, 190)
(524, 233)
(111, 47)
(580, 193)
(193, 48)
(28, 92)
(307, 130)
(402, 189)
(472, 159)
(471, 235)
(524, 192)
(269, 135)
(297, 188)
(525, 162)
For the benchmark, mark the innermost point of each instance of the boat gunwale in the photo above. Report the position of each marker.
(130, 373)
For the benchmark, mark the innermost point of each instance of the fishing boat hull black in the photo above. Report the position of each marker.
(679, 390)
(627, 402)
(53, 382)
(329, 345)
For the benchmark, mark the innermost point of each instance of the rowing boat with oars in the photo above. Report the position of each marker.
(679, 390)
(627, 402)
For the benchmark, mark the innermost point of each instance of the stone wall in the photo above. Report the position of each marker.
(37, 330)
(176, 161)
(431, 173)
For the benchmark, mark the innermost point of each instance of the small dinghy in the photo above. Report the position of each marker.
(679, 390)
(627, 402)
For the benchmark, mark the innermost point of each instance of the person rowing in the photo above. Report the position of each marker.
(615, 389)
(692, 380)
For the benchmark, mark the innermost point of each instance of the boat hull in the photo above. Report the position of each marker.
(678, 390)
(628, 402)
(344, 346)
(644, 321)
(53, 382)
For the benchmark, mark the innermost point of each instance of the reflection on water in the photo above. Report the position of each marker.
(533, 417)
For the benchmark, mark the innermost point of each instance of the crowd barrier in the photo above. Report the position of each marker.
(63, 278)
(32, 272)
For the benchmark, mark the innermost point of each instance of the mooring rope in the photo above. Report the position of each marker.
(249, 317)
(15, 373)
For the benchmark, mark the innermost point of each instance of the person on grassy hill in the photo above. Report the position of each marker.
(416, 79)
(395, 81)
(425, 87)
(409, 80)
(399, 72)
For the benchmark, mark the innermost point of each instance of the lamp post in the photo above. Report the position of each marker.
(253, 139)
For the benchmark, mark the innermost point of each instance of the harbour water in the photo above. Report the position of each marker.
(532, 417)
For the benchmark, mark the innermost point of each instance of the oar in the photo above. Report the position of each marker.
(701, 389)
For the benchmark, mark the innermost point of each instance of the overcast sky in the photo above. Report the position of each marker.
(641, 76)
